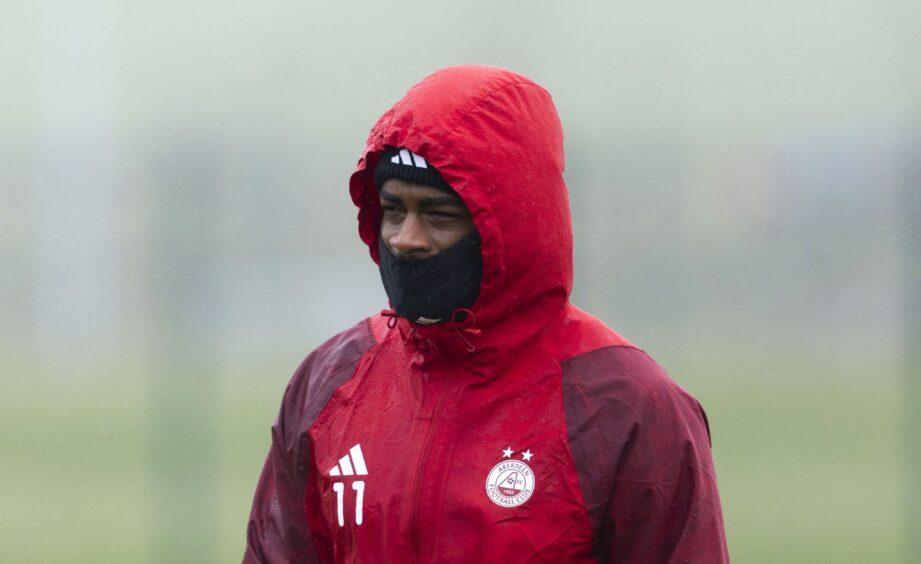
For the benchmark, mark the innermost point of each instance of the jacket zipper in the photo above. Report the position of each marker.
(423, 459)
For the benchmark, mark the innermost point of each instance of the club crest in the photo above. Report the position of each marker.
(510, 482)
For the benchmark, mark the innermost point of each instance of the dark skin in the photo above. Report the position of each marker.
(418, 221)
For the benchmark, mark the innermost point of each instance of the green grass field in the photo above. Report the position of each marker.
(809, 468)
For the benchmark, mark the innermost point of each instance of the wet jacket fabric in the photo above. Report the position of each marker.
(527, 432)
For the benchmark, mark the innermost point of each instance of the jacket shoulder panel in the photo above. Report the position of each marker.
(325, 369)
(641, 448)
(625, 417)
(602, 391)
(277, 530)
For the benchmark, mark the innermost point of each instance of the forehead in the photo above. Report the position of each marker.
(407, 192)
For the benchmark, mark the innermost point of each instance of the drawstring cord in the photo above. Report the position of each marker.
(391, 317)
(465, 325)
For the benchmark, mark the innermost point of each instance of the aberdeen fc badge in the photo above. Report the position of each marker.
(511, 482)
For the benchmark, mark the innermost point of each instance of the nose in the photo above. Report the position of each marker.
(411, 240)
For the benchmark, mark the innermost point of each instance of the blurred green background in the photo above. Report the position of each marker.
(176, 234)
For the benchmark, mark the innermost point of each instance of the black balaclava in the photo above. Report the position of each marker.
(429, 290)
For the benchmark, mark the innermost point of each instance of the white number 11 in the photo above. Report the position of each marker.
(339, 488)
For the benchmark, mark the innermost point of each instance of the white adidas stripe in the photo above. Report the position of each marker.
(407, 157)
(359, 459)
(345, 466)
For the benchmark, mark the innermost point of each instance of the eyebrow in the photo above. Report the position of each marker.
(426, 202)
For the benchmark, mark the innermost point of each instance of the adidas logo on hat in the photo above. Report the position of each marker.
(407, 157)
(406, 165)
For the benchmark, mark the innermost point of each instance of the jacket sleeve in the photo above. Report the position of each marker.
(277, 529)
(664, 505)
(641, 448)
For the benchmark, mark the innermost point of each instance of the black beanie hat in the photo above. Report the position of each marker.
(406, 165)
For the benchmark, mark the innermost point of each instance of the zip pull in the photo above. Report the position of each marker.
(421, 344)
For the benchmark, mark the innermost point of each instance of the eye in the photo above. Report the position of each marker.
(445, 214)
(390, 211)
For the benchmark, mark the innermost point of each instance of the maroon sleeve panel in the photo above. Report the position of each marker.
(277, 529)
(642, 452)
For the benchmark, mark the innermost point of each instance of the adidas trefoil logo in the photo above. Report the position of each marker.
(352, 464)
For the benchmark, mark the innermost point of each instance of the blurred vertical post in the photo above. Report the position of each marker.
(911, 286)
(77, 272)
(182, 382)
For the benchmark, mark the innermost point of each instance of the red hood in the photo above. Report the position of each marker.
(496, 138)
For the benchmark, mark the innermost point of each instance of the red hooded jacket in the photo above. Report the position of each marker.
(531, 432)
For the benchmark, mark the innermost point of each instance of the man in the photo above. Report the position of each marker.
(484, 418)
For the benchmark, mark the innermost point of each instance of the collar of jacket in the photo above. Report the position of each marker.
(485, 353)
